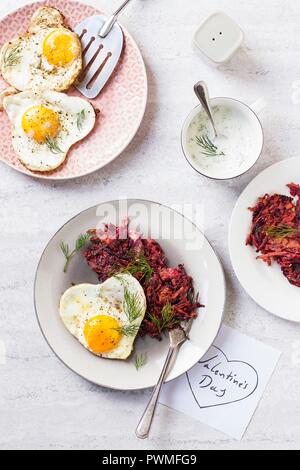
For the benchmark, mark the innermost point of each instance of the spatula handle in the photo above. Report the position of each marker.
(106, 28)
(121, 8)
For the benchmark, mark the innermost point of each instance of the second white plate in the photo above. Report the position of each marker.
(265, 284)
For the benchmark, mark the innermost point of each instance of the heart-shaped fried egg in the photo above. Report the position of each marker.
(105, 318)
(45, 125)
(47, 57)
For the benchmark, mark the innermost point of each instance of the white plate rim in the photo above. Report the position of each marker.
(223, 280)
(237, 272)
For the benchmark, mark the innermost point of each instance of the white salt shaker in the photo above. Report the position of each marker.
(218, 38)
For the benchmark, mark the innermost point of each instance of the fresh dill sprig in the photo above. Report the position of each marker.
(168, 316)
(80, 243)
(167, 319)
(11, 57)
(80, 119)
(128, 330)
(53, 145)
(133, 308)
(208, 147)
(141, 266)
(140, 360)
(133, 305)
(281, 231)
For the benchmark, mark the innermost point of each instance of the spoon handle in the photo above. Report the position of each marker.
(202, 94)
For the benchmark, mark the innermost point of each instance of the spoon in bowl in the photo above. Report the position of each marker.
(201, 91)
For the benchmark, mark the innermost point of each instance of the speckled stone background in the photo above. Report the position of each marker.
(43, 404)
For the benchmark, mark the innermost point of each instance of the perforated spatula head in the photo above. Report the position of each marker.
(100, 54)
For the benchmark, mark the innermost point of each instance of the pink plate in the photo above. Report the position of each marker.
(121, 103)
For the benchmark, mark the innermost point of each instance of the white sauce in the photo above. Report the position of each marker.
(233, 145)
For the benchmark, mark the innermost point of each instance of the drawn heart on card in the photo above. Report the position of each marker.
(217, 381)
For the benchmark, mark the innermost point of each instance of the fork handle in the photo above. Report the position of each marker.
(108, 25)
(143, 428)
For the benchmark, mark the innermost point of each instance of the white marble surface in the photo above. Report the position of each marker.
(43, 404)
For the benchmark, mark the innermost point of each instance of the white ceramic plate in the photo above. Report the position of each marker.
(199, 259)
(266, 285)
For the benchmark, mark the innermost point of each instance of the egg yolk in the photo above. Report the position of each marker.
(40, 123)
(61, 47)
(102, 333)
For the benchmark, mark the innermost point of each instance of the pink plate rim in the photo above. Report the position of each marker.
(52, 177)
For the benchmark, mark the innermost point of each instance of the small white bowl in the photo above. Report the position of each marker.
(255, 149)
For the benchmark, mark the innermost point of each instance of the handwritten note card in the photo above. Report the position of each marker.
(224, 388)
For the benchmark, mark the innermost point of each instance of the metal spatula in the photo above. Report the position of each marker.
(102, 43)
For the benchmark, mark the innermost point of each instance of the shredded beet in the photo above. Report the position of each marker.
(169, 291)
(275, 231)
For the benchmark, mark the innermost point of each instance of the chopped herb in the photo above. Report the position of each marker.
(133, 309)
(281, 231)
(82, 240)
(80, 119)
(11, 57)
(140, 266)
(128, 330)
(133, 305)
(80, 243)
(167, 319)
(52, 145)
(140, 360)
(208, 147)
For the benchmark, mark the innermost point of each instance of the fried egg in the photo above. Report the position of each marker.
(45, 125)
(47, 57)
(105, 318)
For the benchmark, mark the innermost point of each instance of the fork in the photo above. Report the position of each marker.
(177, 337)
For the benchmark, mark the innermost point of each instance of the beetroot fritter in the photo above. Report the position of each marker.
(275, 231)
(169, 291)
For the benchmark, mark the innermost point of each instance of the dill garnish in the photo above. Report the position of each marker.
(128, 330)
(11, 57)
(133, 306)
(140, 360)
(140, 266)
(52, 145)
(281, 231)
(208, 147)
(80, 242)
(167, 319)
(80, 119)
(133, 309)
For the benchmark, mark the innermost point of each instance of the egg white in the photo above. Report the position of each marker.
(38, 156)
(84, 301)
(31, 70)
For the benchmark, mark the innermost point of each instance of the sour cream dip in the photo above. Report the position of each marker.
(237, 147)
